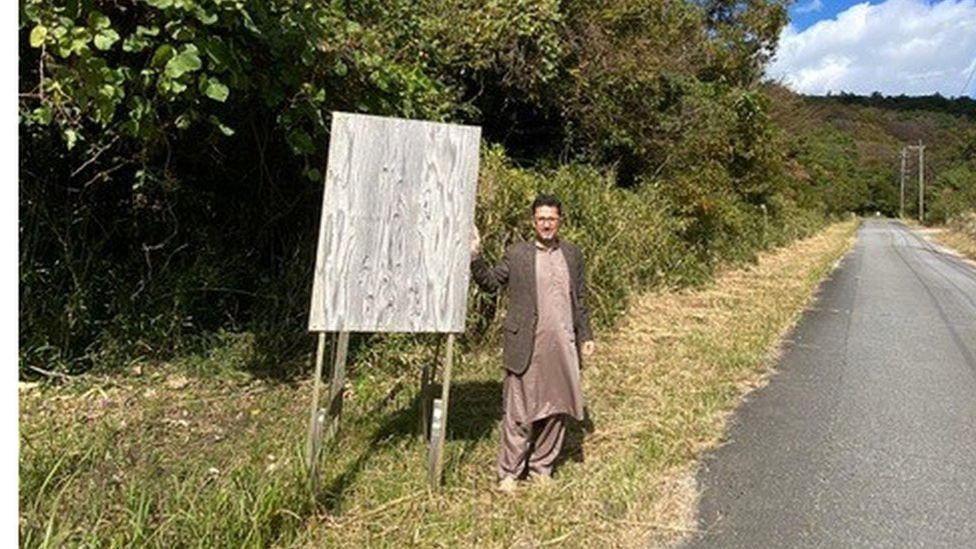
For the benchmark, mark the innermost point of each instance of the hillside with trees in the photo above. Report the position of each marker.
(852, 145)
(172, 152)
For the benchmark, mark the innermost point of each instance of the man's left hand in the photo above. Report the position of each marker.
(588, 347)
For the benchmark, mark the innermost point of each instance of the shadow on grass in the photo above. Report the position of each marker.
(289, 356)
(576, 431)
(474, 410)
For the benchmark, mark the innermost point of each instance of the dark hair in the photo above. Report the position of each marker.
(547, 200)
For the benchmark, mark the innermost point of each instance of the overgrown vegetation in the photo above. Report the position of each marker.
(171, 173)
(171, 167)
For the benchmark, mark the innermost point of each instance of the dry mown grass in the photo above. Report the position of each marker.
(960, 235)
(659, 391)
(174, 463)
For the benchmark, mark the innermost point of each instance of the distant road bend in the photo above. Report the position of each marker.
(866, 435)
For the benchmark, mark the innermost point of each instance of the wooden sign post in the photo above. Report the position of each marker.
(438, 432)
(394, 245)
(315, 421)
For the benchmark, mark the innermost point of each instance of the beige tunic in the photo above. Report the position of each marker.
(551, 384)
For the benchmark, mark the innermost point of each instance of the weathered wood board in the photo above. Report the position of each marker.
(394, 240)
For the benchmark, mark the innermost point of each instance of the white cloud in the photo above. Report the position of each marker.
(810, 7)
(899, 46)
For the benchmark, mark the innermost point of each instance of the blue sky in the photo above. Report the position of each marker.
(911, 47)
(804, 13)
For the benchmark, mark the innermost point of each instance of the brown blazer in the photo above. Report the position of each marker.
(517, 270)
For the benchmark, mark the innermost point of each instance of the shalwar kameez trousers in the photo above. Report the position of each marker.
(537, 402)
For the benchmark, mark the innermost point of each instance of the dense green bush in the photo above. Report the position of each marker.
(953, 196)
(952, 193)
(629, 236)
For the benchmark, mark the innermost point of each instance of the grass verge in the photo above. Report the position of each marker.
(958, 240)
(163, 459)
(959, 234)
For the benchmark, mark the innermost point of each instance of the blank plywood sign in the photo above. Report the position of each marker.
(394, 241)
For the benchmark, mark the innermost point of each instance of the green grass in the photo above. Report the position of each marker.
(174, 457)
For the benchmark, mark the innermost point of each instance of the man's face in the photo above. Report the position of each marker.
(545, 219)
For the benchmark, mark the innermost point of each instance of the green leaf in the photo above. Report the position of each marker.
(301, 142)
(37, 36)
(182, 32)
(226, 130)
(78, 45)
(182, 121)
(382, 80)
(104, 110)
(31, 11)
(70, 137)
(217, 53)
(163, 54)
(340, 68)
(98, 21)
(249, 22)
(216, 90)
(138, 107)
(160, 4)
(313, 174)
(105, 38)
(44, 114)
(204, 17)
(187, 61)
(134, 43)
(78, 40)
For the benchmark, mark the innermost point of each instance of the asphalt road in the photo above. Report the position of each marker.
(866, 435)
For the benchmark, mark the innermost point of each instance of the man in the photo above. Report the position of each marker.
(546, 331)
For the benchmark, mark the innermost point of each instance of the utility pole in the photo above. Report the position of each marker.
(901, 202)
(921, 182)
(921, 177)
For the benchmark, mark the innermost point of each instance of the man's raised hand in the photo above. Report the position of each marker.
(475, 240)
